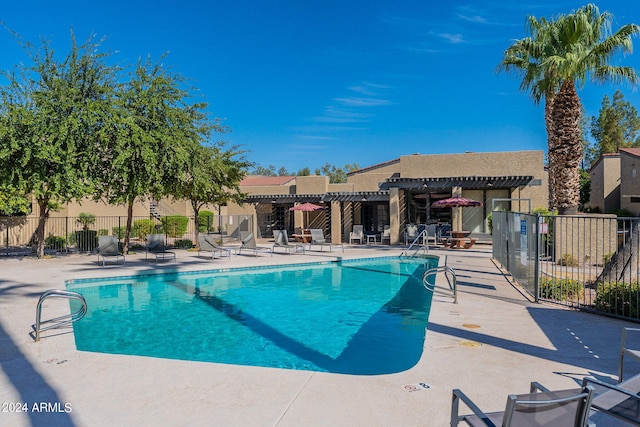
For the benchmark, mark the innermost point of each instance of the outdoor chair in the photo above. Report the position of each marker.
(281, 240)
(540, 407)
(249, 244)
(386, 235)
(157, 247)
(432, 233)
(357, 234)
(621, 400)
(317, 238)
(108, 249)
(410, 233)
(205, 243)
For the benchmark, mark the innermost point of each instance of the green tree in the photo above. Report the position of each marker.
(211, 176)
(51, 119)
(264, 171)
(336, 175)
(148, 146)
(304, 172)
(617, 125)
(567, 51)
(13, 202)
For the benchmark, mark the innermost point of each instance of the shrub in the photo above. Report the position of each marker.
(560, 289)
(621, 299)
(103, 232)
(568, 260)
(175, 225)
(183, 244)
(119, 231)
(205, 221)
(142, 227)
(55, 242)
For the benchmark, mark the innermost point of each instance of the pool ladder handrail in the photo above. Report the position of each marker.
(449, 274)
(421, 247)
(59, 321)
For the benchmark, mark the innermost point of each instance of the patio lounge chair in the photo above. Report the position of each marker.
(357, 234)
(541, 407)
(621, 400)
(249, 244)
(156, 246)
(410, 234)
(108, 249)
(386, 235)
(205, 243)
(281, 240)
(317, 238)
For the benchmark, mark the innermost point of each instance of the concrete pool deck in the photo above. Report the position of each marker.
(492, 343)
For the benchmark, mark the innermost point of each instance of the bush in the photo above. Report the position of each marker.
(183, 244)
(119, 231)
(621, 299)
(55, 242)
(142, 227)
(205, 221)
(560, 289)
(568, 260)
(175, 225)
(103, 232)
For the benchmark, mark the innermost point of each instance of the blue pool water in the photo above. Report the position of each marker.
(356, 317)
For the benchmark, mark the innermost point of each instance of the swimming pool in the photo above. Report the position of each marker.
(357, 317)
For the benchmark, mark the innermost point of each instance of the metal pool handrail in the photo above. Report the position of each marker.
(449, 274)
(60, 321)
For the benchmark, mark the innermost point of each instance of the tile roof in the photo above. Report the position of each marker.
(259, 180)
(633, 151)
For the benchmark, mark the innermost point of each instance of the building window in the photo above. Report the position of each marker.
(635, 199)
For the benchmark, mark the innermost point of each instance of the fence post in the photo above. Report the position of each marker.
(536, 262)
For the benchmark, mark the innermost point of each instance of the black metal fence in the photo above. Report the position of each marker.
(80, 234)
(585, 261)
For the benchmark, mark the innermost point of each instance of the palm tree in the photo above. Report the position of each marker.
(526, 57)
(576, 46)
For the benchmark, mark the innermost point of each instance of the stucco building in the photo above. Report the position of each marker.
(399, 192)
(615, 182)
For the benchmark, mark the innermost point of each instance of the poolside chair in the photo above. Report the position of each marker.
(540, 407)
(281, 240)
(357, 234)
(157, 247)
(432, 233)
(108, 249)
(410, 233)
(205, 243)
(317, 238)
(249, 244)
(386, 235)
(621, 400)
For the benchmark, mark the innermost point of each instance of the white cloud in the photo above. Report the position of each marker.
(354, 101)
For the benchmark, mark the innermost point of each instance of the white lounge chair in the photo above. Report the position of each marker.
(317, 238)
(281, 240)
(357, 234)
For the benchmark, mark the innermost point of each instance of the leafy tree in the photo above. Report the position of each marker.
(304, 172)
(617, 125)
(336, 175)
(264, 171)
(51, 119)
(562, 54)
(585, 187)
(13, 202)
(211, 176)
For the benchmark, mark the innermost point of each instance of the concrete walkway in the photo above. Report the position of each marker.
(492, 343)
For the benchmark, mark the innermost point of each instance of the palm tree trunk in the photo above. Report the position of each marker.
(567, 150)
(548, 120)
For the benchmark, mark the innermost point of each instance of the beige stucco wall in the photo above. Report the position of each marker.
(369, 179)
(629, 182)
(586, 239)
(312, 184)
(605, 184)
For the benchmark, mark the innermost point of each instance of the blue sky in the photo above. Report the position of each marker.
(304, 83)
